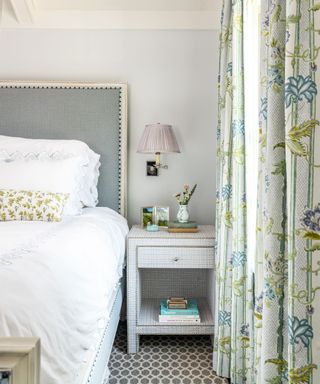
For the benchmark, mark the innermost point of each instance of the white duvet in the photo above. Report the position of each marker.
(56, 283)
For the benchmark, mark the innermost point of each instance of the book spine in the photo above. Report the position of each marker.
(194, 321)
(176, 224)
(179, 318)
(183, 230)
(179, 312)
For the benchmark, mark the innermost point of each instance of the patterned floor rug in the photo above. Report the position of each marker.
(163, 360)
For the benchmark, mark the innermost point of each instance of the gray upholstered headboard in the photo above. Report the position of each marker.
(93, 113)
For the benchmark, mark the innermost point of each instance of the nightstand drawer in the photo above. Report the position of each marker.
(175, 257)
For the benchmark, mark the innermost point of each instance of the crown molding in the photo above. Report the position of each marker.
(27, 16)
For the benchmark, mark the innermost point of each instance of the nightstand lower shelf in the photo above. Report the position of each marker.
(148, 323)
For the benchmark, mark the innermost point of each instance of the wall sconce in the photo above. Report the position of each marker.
(158, 138)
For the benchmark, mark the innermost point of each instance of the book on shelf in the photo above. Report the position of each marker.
(177, 224)
(183, 230)
(178, 320)
(189, 315)
(174, 299)
(192, 308)
(177, 227)
(177, 303)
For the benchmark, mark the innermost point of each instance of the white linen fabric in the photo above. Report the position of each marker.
(56, 281)
(18, 148)
(63, 176)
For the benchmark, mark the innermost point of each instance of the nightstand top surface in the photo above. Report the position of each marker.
(205, 232)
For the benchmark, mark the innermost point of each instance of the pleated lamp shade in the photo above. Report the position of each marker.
(158, 138)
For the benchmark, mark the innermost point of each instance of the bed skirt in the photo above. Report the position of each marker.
(97, 371)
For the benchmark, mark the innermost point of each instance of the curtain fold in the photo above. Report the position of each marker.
(273, 337)
(271, 312)
(231, 346)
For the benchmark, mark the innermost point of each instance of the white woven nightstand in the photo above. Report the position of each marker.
(162, 264)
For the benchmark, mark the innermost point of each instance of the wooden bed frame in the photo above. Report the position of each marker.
(95, 113)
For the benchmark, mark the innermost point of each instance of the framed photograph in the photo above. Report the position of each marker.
(19, 360)
(152, 170)
(147, 216)
(161, 215)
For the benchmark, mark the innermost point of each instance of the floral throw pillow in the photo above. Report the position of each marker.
(31, 205)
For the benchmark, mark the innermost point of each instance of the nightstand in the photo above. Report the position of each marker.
(160, 265)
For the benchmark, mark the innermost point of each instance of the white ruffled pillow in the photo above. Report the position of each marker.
(17, 148)
(62, 176)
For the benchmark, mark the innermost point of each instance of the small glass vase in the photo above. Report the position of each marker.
(183, 213)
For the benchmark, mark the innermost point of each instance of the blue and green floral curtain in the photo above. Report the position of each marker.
(275, 337)
(232, 294)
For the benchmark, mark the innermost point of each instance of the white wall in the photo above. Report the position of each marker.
(172, 77)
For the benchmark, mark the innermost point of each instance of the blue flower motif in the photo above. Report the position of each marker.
(299, 87)
(268, 291)
(263, 108)
(221, 16)
(238, 127)
(258, 304)
(275, 77)
(239, 258)
(313, 67)
(276, 53)
(287, 36)
(310, 310)
(226, 191)
(299, 330)
(229, 68)
(311, 218)
(266, 21)
(244, 330)
(224, 318)
(218, 133)
(266, 182)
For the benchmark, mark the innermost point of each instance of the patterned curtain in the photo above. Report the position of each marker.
(278, 341)
(232, 294)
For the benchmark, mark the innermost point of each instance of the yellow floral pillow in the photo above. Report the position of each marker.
(31, 205)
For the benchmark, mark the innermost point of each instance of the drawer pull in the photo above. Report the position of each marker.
(176, 259)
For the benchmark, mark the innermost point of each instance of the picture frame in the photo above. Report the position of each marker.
(19, 360)
(162, 216)
(147, 216)
(152, 170)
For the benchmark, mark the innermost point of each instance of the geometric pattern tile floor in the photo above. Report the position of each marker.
(163, 360)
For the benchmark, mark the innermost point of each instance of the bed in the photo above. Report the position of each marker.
(56, 301)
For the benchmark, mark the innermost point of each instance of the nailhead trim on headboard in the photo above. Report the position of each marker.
(122, 150)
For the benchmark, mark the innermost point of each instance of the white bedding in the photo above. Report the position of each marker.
(56, 283)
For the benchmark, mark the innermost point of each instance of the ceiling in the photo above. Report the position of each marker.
(110, 14)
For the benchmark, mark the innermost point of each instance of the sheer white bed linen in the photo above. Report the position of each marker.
(56, 281)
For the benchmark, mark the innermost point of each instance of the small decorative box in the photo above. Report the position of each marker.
(152, 228)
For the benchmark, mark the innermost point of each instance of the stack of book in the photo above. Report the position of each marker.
(190, 226)
(187, 313)
(177, 303)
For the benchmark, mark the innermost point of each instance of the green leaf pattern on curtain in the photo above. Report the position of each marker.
(274, 338)
(287, 261)
(271, 269)
(302, 128)
(232, 324)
